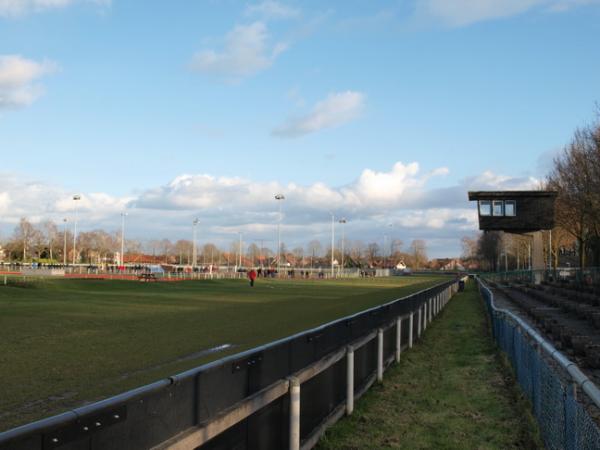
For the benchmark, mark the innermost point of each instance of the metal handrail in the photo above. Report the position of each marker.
(569, 366)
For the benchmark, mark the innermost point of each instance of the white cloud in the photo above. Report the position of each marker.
(226, 205)
(39, 201)
(438, 218)
(4, 202)
(489, 180)
(18, 80)
(246, 51)
(337, 109)
(16, 8)
(459, 13)
(270, 9)
(371, 192)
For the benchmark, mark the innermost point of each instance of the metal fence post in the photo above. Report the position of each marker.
(294, 413)
(410, 330)
(349, 380)
(398, 338)
(380, 355)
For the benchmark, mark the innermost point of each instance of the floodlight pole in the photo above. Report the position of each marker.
(76, 198)
(343, 222)
(194, 245)
(65, 242)
(332, 243)
(123, 215)
(384, 251)
(240, 233)
(279, 197)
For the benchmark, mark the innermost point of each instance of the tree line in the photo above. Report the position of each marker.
(50, 243)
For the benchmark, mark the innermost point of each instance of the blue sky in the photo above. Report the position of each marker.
(206, 108)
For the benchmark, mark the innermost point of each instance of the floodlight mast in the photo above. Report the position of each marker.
(65, 243)
(279, 197)
(332, 243)
(76, 198)
(343, 221)
(194, 247)
(123, 215)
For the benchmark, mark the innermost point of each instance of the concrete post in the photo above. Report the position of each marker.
(380, 355)
(419, 321)
(430, 309)
(349, 381)
(537, 260)
(410, 330)
(398, 338)
(294, 413)
(425, 316)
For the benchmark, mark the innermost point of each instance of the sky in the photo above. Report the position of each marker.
(382, 112)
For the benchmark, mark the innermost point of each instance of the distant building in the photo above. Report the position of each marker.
(450, 264)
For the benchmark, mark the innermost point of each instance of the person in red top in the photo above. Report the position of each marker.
(252, 277)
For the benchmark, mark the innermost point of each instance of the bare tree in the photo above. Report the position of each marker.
(576, 177)
(489, 248)
(50, 231)
(418, 250)
(23, 237)
(314, 249)
(372, 253)
(298, 253)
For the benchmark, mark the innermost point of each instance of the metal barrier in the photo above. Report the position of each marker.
(280, 395)
(564, 422)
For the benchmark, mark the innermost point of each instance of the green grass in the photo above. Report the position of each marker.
(452, 391)
(66, 342)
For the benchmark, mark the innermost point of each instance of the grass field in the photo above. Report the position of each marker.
(66, 342)
(453, 390)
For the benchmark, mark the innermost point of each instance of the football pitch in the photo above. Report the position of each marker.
(67, 342)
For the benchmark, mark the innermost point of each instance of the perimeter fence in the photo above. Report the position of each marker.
(549, 380)
(277, 396)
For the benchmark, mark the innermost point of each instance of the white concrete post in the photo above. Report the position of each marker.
(425, 316)
(410, 330)
(294, 413)
(430, 309)
(380, 355)
(398, 338)
(419, 321)
(349, 381)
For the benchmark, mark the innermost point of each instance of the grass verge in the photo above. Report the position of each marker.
(452, 391)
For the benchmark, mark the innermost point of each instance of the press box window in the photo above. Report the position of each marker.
(498, 209)
(485, 208)
(510, 208)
